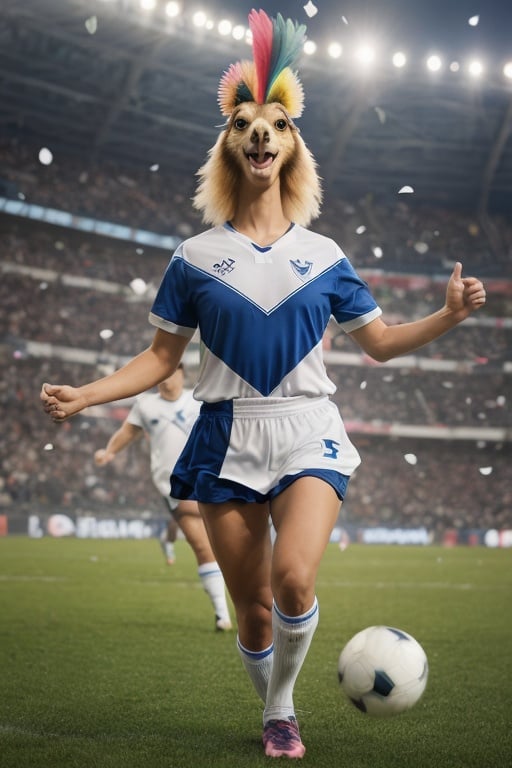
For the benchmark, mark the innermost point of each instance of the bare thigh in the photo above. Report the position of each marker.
(303, 516)
(240, 537)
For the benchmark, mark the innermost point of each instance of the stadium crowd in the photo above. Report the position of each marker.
(66, 289)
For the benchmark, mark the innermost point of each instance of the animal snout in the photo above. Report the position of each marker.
(260, 133)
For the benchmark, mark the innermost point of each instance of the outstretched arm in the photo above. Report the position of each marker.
(383, 342)
(121, 439)
(146, 370)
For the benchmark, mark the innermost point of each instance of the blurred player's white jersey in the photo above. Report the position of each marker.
(168, 424)
(261, 312)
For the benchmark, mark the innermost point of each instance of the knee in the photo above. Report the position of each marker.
(293, 589)
(255, 624)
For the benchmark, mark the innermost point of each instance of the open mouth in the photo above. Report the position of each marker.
(260, 161)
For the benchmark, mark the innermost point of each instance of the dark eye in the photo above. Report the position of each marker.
(281, 124)
(240, 123)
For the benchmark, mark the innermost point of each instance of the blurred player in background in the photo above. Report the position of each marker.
(166, 418)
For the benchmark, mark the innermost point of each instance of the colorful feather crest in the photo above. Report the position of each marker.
(276, 45)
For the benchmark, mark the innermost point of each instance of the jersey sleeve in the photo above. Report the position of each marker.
(173, 309)
(135, 416)
(353, 305)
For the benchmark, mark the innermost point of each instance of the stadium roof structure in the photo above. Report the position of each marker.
(139, 91)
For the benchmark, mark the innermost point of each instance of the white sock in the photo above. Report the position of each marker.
(258, 665)
(292, 638)
(213, 584)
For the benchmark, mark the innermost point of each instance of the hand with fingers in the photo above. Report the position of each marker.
(61, 401)
(464, 294)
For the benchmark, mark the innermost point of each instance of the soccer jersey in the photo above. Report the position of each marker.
(261, 312)
(167, 424)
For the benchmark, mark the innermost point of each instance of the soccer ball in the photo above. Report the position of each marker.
(383, 671)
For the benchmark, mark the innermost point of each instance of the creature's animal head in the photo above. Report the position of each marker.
(260, 141)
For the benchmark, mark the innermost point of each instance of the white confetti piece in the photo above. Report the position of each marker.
(411, 458)
(45, 156)
(407, 190)
(138, 286)
(485, 471)
(48, 447)
(106, 334)
(361, 230)
(473, 21)
(154, 167)
(377, 252)
(380, 114)
(311, 9)
(91, 25)
(363, 385)
(344, 20)
(420, 247)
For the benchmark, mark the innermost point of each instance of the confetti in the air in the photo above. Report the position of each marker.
(45, 156)
(154, 167)
(361, 230)
(363, 385)
(106, 334)
(411, 458)
(138, 286)
(48, 447)
(311, 9)
(344, 20)
(377, 252)
(380, 114)
(485, 471)
(91, 24)
(407, 190)
(473, 21)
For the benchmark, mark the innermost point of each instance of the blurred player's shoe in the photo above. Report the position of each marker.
(281, 738)
(223, 625)
(168, 550)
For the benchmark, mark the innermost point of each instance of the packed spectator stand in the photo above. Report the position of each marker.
(434, 430)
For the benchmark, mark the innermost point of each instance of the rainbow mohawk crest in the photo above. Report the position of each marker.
(276, 45)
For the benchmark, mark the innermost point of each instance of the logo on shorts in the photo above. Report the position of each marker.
(224, 267)
(331, 448)
(302, 270)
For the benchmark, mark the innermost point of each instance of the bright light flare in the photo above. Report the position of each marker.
(172, 9)
(475, 68)
(238, 32)
(310, 47)
(147, 5)
(365, 55)
(335, 50)
(225, 27)
(199, 19)
(434, 63)
(399, 59)
(507, 70)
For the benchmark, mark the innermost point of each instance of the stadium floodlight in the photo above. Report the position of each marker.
(172, 9)
(365, 54)
(475, 68)
(238, 32)
(147, 5)
(199, 19)
(454, 66)
(224, 27)
(334, 50)
(309, 47)
(434, 63)
(399, 59)
(507, 70)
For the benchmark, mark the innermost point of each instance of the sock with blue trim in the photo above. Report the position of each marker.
(292, 638)
(213, 584)
(258, 665)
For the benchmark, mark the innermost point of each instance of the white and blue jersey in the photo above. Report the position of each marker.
(167, 424)
(261, 312)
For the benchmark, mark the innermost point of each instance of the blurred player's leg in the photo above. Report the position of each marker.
(167, 539)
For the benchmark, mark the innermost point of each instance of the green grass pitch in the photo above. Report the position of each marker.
(109, 659)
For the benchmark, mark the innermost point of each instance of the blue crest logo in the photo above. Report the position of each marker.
(301, 269)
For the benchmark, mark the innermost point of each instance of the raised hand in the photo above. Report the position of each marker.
(464, 294)
(61, 401)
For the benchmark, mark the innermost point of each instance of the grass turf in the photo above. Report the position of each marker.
(108, 658)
